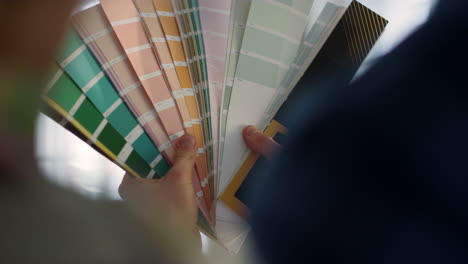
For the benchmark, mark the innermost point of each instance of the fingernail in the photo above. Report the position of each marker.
(186, 142)
(251, 130)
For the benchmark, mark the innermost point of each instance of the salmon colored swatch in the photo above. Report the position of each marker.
(127, 25)
(97, 33)
(171, 32)
(156, 35)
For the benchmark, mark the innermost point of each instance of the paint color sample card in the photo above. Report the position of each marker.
(126, 22)
(189, 24)
(271, 40)
(129, 29)
(343, 50)
(69, 106)
(239, 13)
(215, 18)
(167, 20)
(76, 108)
(81, 66)
(322, 21)
(155, 32)
(99, 36)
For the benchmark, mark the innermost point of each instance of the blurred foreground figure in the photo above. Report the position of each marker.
(40, 222)
(377, 172)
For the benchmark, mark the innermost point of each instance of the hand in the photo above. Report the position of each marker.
(172, 197)
(259, 142)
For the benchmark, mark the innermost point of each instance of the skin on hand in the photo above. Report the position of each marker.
(175, 191)
(259, 142)
(172, 197)
(174, 194)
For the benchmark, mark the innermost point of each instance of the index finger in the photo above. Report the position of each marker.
(259, 142)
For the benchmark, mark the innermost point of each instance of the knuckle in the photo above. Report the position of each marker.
(185, 156)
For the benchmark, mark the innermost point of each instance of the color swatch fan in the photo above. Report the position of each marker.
(135, 75)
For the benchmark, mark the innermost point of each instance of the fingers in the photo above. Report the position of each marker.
(180, 173)
(184, 160)
(259, 142)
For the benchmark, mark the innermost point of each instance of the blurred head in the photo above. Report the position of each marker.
(31, 31)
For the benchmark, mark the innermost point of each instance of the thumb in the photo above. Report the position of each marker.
(259, 142)
(184, 159)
